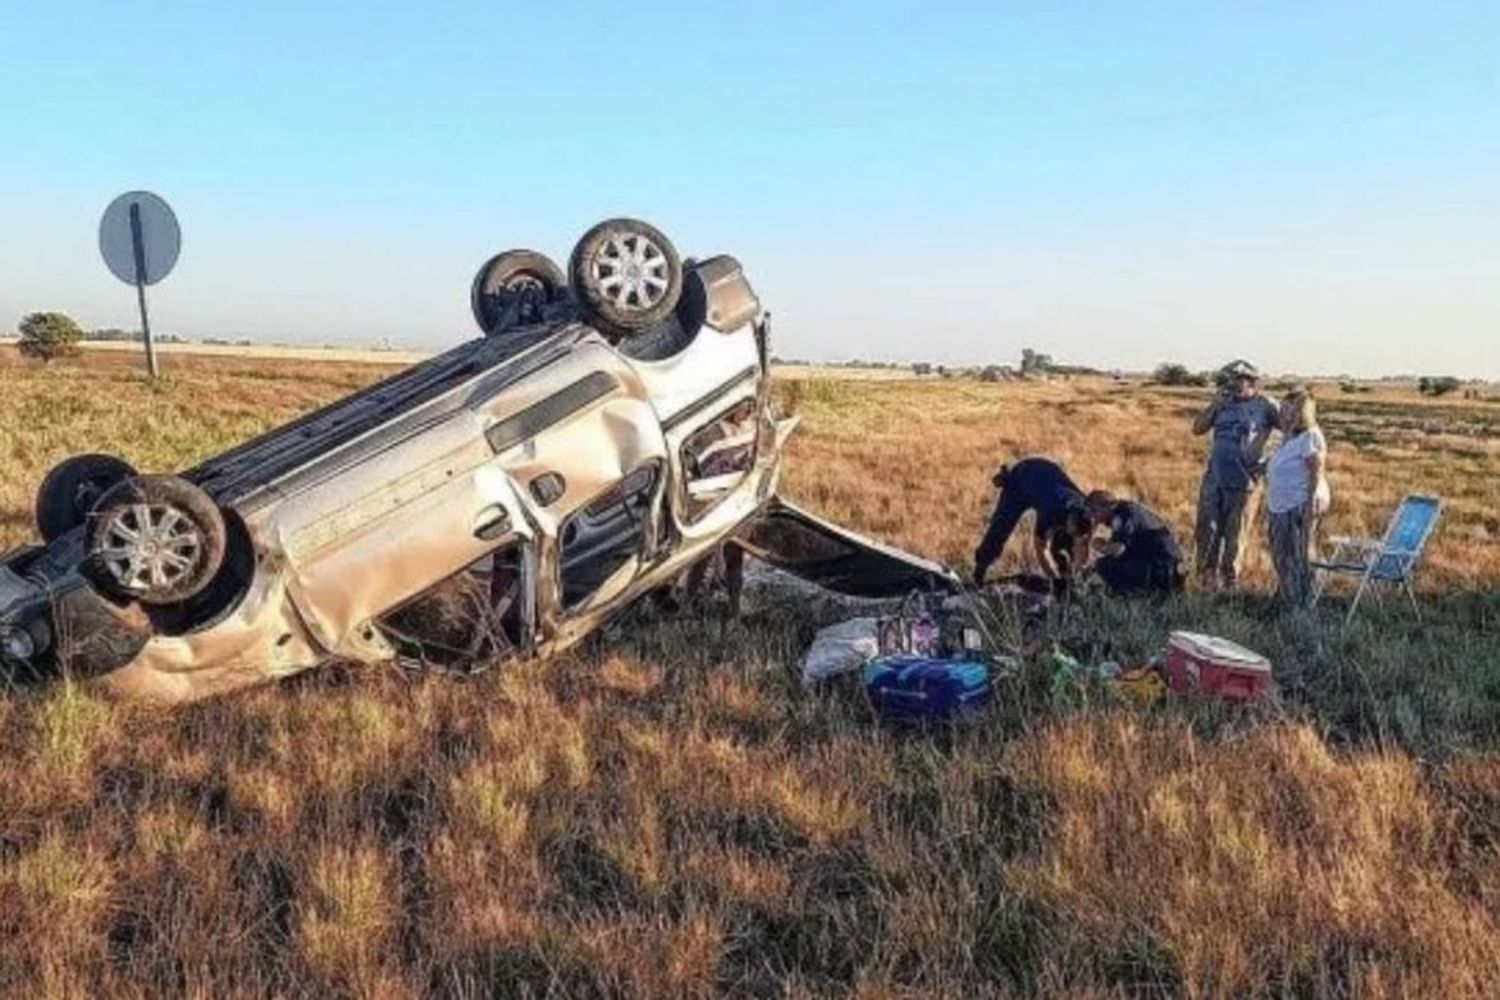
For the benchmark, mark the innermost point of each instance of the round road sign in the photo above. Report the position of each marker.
(139, 238)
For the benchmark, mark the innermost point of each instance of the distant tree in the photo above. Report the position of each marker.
(1172, 373)
(1034, 363)
(1437, 385)
(991, 373)
(48, 335)
(921, 368)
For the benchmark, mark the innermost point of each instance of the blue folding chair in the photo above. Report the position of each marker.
(1390, 560)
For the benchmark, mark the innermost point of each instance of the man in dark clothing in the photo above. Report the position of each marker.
(1141, 557)
(1041, 486)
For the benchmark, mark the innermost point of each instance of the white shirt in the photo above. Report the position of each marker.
(1288, 479)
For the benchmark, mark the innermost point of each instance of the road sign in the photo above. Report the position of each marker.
(140, 240)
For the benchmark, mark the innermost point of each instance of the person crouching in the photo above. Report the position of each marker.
(1140, 557)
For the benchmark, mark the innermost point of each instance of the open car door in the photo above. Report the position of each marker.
(836, 559)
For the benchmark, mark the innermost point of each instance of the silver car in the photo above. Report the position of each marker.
(611, 429)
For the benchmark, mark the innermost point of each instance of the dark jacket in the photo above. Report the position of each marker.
(1034, 484)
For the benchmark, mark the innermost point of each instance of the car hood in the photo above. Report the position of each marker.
(790, 539)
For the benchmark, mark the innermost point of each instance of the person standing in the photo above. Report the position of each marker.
(1240, 419)
(1060, 536)
(1297, 495)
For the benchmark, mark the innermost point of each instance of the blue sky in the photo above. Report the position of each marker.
(1313, 186)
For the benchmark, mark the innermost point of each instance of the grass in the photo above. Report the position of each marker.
(667, 812)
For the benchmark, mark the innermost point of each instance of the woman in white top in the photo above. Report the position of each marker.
(1296, 495)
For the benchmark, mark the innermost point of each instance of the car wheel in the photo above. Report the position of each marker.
(513, 288)
(72, 488)
(626, 275)
(157, 539)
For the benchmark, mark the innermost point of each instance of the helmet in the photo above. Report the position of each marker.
(1240, 368)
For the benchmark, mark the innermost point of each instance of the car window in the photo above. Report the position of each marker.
(717, 456)
(478, 615)
(606, 534)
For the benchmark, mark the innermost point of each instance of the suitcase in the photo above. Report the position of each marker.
(1210, 665)
(907, 686)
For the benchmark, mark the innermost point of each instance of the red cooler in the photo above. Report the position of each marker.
(1210, 665)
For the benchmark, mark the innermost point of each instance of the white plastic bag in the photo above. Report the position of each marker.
(841, 648)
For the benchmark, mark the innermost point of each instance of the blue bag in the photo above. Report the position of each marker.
(907, 686)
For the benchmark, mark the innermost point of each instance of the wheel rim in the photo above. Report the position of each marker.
(149, 547)
(631, 271)
(523, 282)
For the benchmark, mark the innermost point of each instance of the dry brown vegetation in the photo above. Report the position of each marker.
(667, 812)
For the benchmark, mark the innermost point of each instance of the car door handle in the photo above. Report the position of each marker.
(491, 523)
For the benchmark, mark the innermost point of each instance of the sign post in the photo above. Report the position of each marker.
(140, 240)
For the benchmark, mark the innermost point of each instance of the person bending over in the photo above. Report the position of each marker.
(1041, 486)
(1140, 557)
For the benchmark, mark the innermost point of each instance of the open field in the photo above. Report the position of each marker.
(668, 813)
(273, 352)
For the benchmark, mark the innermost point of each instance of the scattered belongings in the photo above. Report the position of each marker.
(906, 686)
(1142, 685)
(938, 661)
(841, 648)
(917, 627)
(1067, 677)
(1197, 663)
(911, 630)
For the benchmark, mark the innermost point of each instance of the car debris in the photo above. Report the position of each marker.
(611, 429)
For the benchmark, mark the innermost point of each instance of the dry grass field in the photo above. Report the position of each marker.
(667, 812)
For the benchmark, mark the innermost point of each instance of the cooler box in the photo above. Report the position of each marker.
(1208, 664)
(907, 686)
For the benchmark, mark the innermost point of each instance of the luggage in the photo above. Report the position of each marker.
(908, 686)
(1210, 665)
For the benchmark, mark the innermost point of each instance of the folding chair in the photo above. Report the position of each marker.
(1392, 559)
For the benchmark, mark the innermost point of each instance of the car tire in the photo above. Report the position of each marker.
(626, 276)
(156, 539)
(72, 488)
(513, 288)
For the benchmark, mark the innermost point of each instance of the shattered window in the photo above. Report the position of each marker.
(606, 534)
(471, 619)
(717, 456)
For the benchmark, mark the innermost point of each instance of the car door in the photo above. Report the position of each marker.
(395, 524)
(585, 448)
(793, 540)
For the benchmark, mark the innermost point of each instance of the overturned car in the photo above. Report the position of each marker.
(611, 429)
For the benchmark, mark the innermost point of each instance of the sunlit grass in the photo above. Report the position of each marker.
(668, 812)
